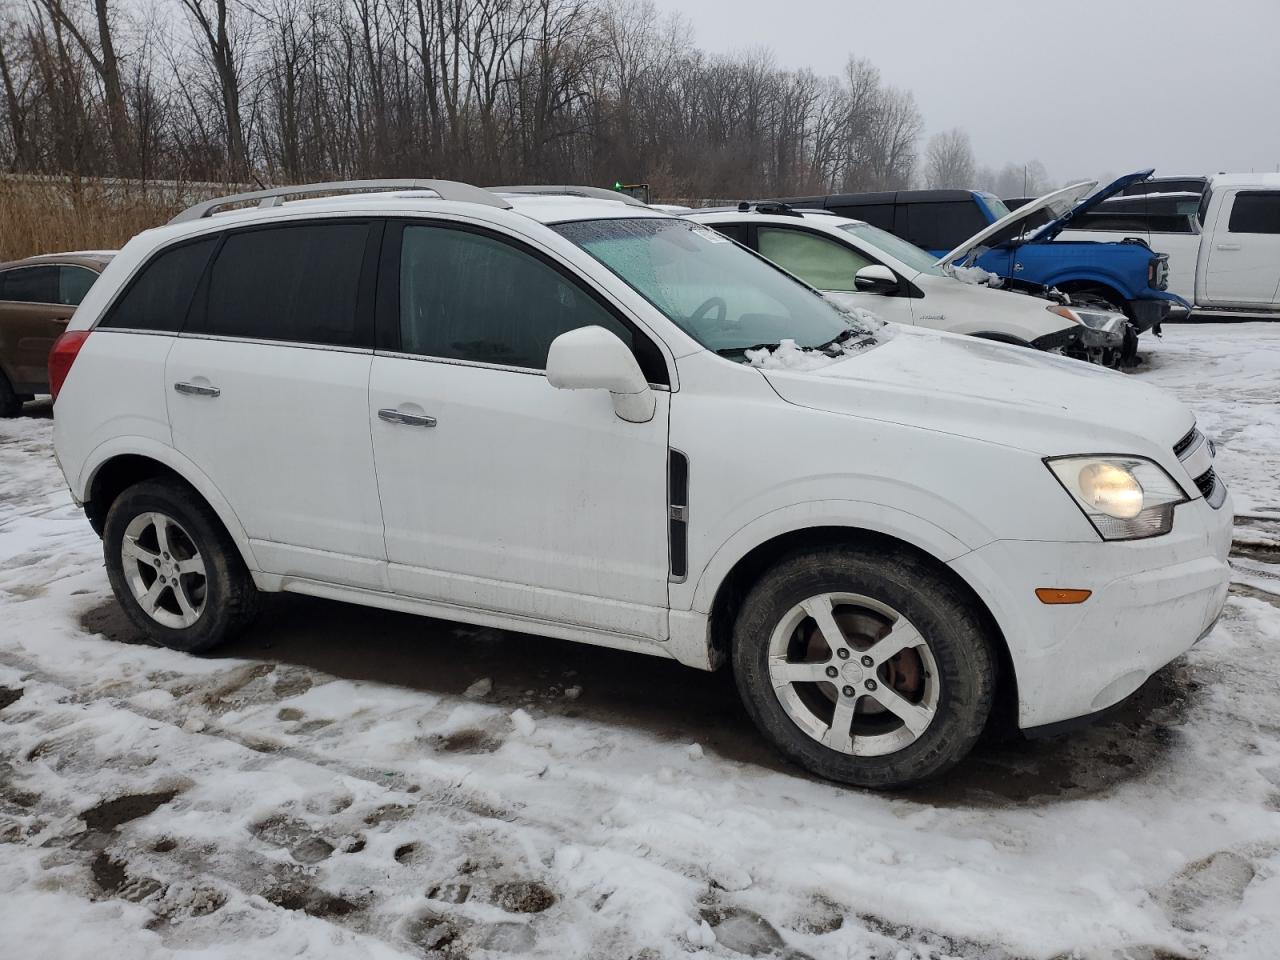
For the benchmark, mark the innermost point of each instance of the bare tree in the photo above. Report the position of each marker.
(949, 161)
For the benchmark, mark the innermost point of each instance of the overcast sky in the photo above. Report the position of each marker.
(1089, 87)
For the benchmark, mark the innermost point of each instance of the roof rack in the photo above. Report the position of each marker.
(776, 207)
(569, 190)
(445, 189)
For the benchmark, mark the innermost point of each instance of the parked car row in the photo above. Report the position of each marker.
(576, 416)
(37, 297)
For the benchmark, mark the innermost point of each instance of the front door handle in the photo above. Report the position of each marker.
(391, 415)
(1228, 246)
(1017, 268)
(196, 389)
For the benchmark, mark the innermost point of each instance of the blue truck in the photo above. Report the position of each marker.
(966, 228)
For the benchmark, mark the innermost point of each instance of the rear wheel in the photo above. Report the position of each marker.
(864, 666)
(175, 569)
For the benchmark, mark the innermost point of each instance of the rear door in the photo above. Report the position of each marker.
(268, 394)
(1243, 264)
(35, 304)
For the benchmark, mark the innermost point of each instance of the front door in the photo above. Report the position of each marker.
(268, 388)
(500, 492)
(829, 266)
(1243, 266)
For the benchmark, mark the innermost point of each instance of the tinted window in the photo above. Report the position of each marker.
(942, 226)
(296, 283)
(74, 283)
(817, 261)
(31, 285)
(467, 296)
(734, 231)
(1255, 212)
(159, 297)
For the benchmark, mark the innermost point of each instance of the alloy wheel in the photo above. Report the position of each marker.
(164, 570)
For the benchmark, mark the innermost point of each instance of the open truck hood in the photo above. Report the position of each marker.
(1058, 202)
(1064, 205)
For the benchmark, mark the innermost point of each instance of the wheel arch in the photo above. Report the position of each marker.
(1100, 284)
(731, 589)
(115, 467)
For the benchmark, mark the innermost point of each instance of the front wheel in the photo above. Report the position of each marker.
(866, 666)
(175, 569)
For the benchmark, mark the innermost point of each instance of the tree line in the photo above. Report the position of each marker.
(487, 91)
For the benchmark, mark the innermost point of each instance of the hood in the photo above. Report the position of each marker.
(1051, 230)
(1058, 202)
(999, 393)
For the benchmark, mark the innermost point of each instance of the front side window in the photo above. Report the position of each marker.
(297, 283)
(819, 262)
(159, 297)
(943, 226)
(723, 296)
(30, 285)
(909, 254)
(470, 296)
(1255, 212)
(74, 283)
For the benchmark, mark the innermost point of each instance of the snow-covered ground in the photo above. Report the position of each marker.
(351, 783)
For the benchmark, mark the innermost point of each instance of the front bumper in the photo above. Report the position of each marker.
(1151, 601)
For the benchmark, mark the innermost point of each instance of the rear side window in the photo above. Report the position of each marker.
(297, 283)
(30, 285)
(734, 231)
(159, 297)
(819, 262)
(468, 296)
(74, 283)
(942, 226)
(1255, 212)
(877, 214)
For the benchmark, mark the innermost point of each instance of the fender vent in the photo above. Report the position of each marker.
(678, 513)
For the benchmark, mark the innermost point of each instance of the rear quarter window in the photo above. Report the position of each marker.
(160, 294)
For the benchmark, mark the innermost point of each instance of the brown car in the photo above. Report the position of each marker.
(37, 297)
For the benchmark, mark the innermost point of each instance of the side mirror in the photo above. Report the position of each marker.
(876, 279)
(592, 358)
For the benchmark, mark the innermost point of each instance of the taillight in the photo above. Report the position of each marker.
(62, 356)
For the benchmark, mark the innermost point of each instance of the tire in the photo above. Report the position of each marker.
(207, 596)
(946, 683)
(10, 402)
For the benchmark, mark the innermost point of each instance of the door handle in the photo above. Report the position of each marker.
(1228, 246)
(60, 321)
(391, 415)
(1017, 268)
(196, 389)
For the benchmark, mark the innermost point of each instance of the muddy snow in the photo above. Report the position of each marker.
(345, 782)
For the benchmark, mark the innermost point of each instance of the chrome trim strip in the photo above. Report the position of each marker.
(333, 348)
(479, 364)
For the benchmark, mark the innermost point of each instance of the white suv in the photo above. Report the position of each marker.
(586, 419)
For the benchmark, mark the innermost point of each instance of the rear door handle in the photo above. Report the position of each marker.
(391, 415)
(196, 389)
(1228, 246)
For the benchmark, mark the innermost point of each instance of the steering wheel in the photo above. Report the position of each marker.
(699, 316)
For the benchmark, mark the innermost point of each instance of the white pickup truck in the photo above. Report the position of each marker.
(1224, 250)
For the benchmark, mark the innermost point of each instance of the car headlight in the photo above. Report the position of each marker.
(1105, 320)
(1125, 498)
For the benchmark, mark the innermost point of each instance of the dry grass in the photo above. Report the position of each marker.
(53, 215)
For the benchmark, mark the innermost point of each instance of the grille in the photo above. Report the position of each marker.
(1185, 444)
(1206, 482)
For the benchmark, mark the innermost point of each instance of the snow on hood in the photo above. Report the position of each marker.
(869, 331)
(997, 392)
(976, 276)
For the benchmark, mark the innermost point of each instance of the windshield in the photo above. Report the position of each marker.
(885, 242)
(996, 206)
(721, 294)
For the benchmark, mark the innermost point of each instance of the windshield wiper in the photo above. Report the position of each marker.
(845, 335)
(729, 351)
